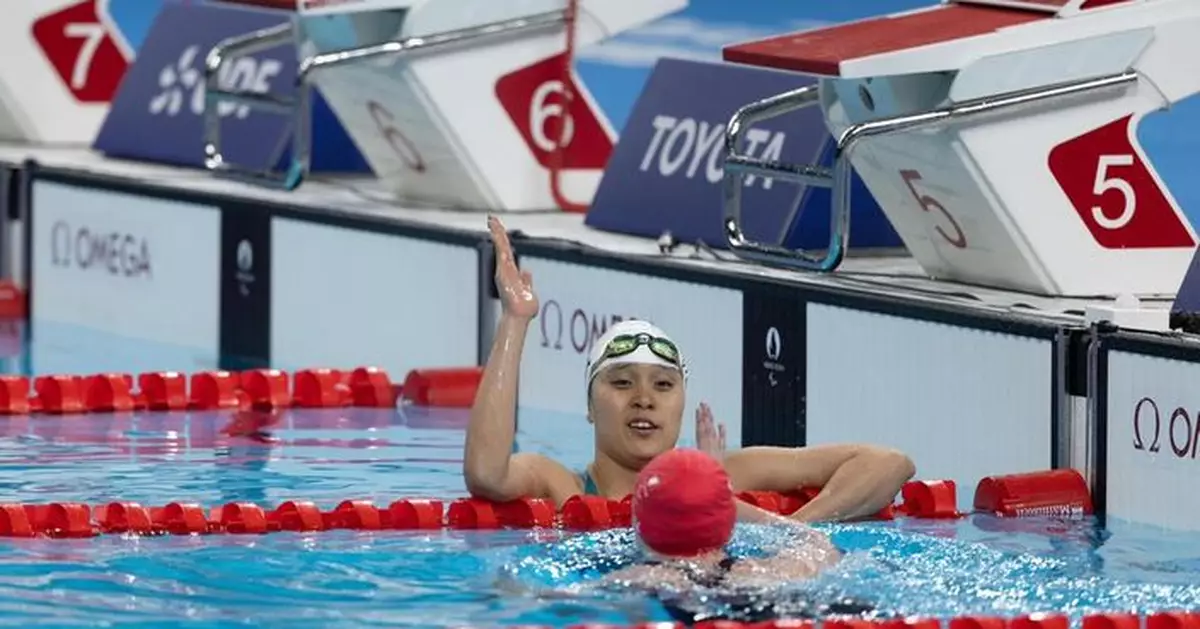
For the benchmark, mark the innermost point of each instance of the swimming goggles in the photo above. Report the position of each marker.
(626, 344)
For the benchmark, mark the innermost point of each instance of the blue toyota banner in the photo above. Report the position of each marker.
(158, 113)
(665, 173)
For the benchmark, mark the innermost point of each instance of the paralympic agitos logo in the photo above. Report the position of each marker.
(1178, 428)
(577, 328)
(114, 252)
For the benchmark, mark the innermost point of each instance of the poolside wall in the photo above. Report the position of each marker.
(967, 393)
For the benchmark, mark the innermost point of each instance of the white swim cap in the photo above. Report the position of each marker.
(653, 348)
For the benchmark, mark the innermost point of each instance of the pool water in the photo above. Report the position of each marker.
(977, 565)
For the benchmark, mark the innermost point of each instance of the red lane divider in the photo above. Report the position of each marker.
(921, 499)
(1051, 493)
(1043, 493)
(1040, 620)
(252, 389)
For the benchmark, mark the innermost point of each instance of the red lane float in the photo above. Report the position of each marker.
(930, 499)
(1046, 493)
(921, 500)
(254, 389)
(1124, 620)
(1174, 620)
(12, 301)
(445, 388)
(1045, 620)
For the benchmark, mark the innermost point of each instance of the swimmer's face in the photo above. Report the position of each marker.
(637, 410)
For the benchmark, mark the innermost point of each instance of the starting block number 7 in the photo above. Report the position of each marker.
(83, 53)
(929, 204)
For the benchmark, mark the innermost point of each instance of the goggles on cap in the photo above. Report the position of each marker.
(626, 344)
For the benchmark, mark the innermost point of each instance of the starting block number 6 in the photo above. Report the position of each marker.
(540, 111)
(547, 108)
(400, 145)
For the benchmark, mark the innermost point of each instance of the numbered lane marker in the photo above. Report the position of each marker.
(1116, 196)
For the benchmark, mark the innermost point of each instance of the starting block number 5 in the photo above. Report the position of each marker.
(956, 237)
(1105, 182)
(1113, 191)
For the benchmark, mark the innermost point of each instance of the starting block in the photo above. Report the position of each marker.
(63, 62)
(471, 104)
(998, 136)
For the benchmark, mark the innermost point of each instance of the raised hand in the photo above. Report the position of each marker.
(514, 285)
(710, 436)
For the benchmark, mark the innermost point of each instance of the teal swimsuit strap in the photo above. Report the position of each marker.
(589, 485)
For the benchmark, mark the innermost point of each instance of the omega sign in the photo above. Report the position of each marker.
(576, 329)
(1177, 429)
(113, 252)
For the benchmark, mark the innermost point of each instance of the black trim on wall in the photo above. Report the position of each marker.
(1161, 345)
(1070, 369)
(774, 378)
(1058, 378)
(245, 288)
(25, 212)
(1099, 346)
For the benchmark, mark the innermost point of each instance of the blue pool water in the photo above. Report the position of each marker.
(463, 578)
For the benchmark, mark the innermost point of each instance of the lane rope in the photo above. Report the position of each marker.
(1062, 492)
(254, 389)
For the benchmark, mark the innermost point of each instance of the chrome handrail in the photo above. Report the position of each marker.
(737, 165)
(224, 52)
(299, 107)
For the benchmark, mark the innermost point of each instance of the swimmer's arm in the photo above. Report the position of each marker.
(807, 539)
(646, 578)
(855, 480)
(490, 469)
(747, 512)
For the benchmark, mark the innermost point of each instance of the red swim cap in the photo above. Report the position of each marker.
(683, 504)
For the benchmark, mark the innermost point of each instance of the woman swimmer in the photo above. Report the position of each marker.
(635, 386)
(684, 513)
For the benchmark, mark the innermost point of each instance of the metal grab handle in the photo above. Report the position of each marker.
(224, 52)
(300, 106)
(435, 40)
(840, 224)
(738, 165)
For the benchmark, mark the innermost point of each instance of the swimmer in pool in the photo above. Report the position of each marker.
(635, 383)
(684, 515)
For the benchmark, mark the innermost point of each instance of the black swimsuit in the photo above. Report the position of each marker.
(749, 607)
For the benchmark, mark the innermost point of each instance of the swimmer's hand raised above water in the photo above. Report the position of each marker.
(514, 285)
(710, 434)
